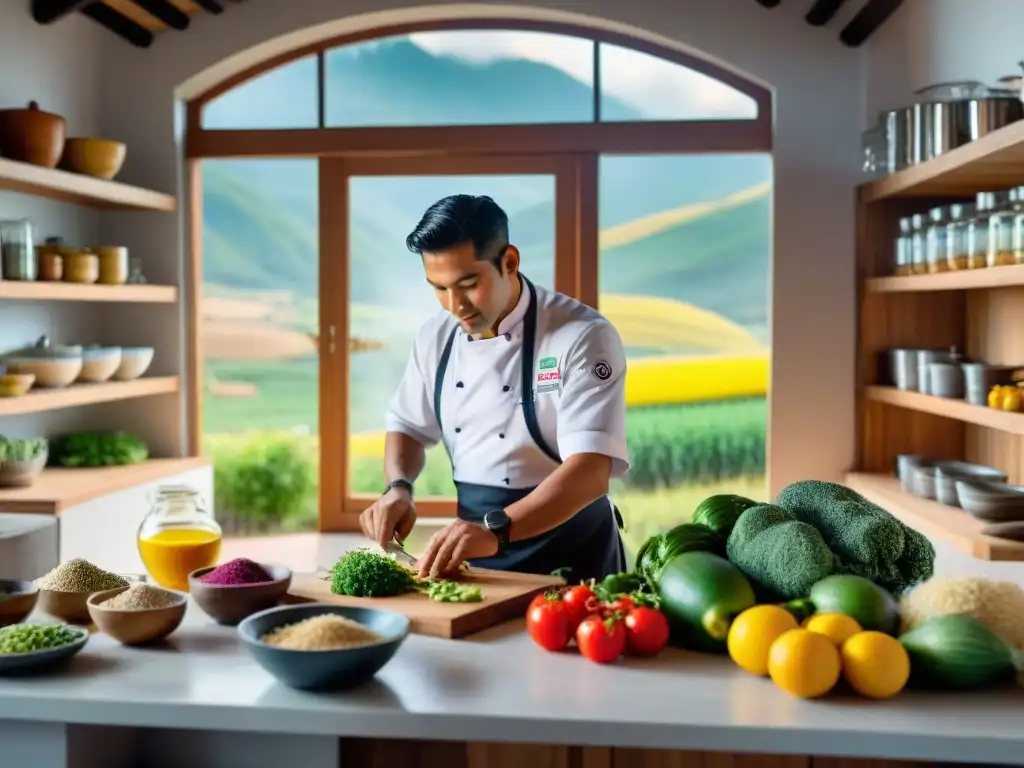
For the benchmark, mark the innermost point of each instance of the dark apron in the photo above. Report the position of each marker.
(587, 545)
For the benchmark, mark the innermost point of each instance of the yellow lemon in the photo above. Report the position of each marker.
(875, 664)
(804, 663)
(752, 633)
(837, 627)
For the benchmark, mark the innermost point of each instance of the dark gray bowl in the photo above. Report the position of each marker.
(42, 661)
(324, 670)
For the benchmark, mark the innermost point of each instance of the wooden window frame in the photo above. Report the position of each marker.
(569, 151)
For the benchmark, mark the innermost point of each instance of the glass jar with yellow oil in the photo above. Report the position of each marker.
(178, 536)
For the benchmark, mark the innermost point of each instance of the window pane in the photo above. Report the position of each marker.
(461, 77)
(638, 86)
(259, 310)
(390, 298)
(285, 97)
(684, 263)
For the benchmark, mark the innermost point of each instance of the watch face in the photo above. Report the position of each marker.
(496, 520)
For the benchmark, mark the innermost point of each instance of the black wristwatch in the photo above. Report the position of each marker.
(500, 524)
(400, 482)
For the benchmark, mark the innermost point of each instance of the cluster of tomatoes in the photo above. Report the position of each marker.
(603, 630)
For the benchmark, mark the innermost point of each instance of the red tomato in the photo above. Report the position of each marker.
(646, 631)
(580, 601)
(543, 597)
(601, 640)
(550, 623)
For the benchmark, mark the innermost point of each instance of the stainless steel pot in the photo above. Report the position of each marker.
(951, 124)
(899, 137)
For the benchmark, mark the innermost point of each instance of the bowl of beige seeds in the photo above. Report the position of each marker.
(137, 614)
(64, 591)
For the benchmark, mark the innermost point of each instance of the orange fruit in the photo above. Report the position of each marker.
(837, 627)
(752, 633)
(875, 664)
(804, 663)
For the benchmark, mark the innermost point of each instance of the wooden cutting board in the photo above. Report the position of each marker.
(506, 596)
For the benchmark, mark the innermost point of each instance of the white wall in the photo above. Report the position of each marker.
(819, 90)
(59, 67)
(937, 41)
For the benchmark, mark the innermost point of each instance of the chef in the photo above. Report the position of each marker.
(526, 389)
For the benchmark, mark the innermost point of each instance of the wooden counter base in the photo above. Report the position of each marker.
(377, 753)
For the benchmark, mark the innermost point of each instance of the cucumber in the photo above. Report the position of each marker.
(853, 596)
(701, 593)
(688, 537)
(957, 651)
(721, 511)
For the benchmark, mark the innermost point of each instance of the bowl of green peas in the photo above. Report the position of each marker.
(32, 647)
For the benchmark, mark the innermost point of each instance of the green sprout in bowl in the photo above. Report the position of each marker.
(21, 449)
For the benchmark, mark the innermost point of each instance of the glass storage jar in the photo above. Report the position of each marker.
(977, 231)
(936, 242)
(1018, 227)
(902, 255)
(178, 536)
(1000, 229)
(956, 235)
(17, 252)
(918, 260)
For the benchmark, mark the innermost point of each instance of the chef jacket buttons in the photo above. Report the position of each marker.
(508, 337)
(506, 481)
(459, 384)
(501, 435)
(457, 430)
(506, 388)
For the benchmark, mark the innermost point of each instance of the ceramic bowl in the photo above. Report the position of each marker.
(51, 372)
(67, 606)
(100, 158)
(330, 669)
(42, 661)
(991, 501)
(135, 627)
(17, 600)
(16, 384)
(22, 474)
(922, 481)
(99, 364)
(135, 361)
(948, 472)
(230, 604)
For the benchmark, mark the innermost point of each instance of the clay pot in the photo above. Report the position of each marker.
(32, 136)
(99, 158)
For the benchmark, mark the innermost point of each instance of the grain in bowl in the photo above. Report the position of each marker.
(327, 632)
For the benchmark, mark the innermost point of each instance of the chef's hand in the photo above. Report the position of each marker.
(392, 516)
(453, 544)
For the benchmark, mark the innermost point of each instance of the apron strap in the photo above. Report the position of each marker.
(526, 386)
(442, 369)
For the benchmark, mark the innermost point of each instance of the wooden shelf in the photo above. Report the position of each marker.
(936, 521)
(83, 190)
(58, 291)
(86, 394)
(993, 162)
(961, 280)
(949, 408)
(58, 489)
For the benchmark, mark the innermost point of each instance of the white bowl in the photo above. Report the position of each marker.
(135, 361)
(99, 364)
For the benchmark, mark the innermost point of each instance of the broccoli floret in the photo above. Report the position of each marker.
(362, 573)
(782, 555)
(870, 541)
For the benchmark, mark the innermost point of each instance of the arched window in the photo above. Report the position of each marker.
(636, 179)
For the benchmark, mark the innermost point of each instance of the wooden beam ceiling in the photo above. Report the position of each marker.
(138, 22)
(868, 19)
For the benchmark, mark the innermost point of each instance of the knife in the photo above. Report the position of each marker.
(396, 549)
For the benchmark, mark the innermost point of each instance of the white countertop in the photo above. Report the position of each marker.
(498, 686)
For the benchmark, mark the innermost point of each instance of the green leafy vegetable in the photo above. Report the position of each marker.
(17, 449)
(99, 449)
(364, 573)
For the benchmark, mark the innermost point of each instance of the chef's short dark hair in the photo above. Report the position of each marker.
(458, 219)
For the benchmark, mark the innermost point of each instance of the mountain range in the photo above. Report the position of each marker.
(260, 216)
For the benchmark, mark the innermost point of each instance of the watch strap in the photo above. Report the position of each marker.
(400, 482)
(499, 523)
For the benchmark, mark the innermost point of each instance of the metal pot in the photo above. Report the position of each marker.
(951, 124)
(899, 137)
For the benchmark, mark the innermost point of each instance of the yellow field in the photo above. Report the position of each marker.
(670, 325)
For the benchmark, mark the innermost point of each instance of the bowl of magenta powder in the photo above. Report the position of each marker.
(231, 591)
